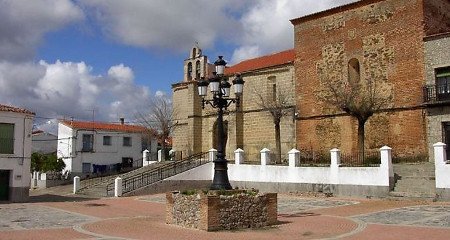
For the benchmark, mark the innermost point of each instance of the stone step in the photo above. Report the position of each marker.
(411, 196)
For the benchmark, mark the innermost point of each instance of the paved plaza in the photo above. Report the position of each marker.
(70, 217)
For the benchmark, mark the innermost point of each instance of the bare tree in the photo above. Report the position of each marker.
(161, 118)
(278, 106)
(360, 98)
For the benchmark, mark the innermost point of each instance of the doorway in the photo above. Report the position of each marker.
(446, 137)
(4, 185)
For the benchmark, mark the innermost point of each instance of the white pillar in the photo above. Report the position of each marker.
(76, 184)
(386, 160)
(145, 157)
(265, 156)
(118, 187)
(212, 154)
(335, 157)
(238, 156)
(160, 156)
(440, 155)
(294, 158)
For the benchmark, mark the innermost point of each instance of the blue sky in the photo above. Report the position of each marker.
(63, 58)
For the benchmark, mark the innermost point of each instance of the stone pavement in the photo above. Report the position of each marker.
(70, 217)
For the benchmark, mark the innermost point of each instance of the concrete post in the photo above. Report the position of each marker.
(145, 157)
(440, 155)
(386, 162)
(335, 157)
(294, 158)
(265, 156)
(238, 156)
(76, 184)
(212, 154)
(118, 187)
(160, 156)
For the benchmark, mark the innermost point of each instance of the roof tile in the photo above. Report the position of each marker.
(104, 126)
(6, 108)
(271, 60)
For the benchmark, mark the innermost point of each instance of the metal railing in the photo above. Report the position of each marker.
(154, 175)
(436, 93)
(310, 157)
(95, 179)
(369, 159)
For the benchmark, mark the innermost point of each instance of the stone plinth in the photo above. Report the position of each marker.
(221, 210)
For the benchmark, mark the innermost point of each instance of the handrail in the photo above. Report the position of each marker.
(154, 175)
(103, 178)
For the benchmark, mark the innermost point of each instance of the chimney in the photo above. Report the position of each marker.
(122, 120)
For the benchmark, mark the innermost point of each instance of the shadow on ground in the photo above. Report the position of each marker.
(58, 198)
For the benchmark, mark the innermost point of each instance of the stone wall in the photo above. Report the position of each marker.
(236, 209)
(250, 127)
(386, 37)
(437, 55)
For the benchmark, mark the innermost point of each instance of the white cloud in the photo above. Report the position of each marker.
(23, 24)
(175, 25)
(266, 26)
(70, 89)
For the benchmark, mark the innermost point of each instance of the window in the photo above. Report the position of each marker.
(107, 140)
(6, 138)
(88, 143)
(127, 141)
(354, 72)
(443, 81)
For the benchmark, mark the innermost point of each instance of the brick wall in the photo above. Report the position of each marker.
(386, 38)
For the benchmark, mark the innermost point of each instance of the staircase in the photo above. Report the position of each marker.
(143, 176)
(96, 187)
(414, 181)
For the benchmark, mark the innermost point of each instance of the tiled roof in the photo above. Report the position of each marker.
(271, 60)
(6, 108)
(104, 126)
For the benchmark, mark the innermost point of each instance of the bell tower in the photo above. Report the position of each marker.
(196, 66)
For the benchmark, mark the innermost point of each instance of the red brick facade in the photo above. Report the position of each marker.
(386, 37)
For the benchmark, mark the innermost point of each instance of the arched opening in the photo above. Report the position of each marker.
(189, 71)
(194, 52)
(197, 70)
(354, 73)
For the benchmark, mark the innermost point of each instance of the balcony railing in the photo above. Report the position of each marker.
(436, 93)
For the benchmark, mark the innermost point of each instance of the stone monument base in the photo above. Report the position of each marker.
(221, 209)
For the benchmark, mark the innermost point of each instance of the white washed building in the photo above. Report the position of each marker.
(15, 153)
(93, 147)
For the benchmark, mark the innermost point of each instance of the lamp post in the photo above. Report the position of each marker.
(220, 89)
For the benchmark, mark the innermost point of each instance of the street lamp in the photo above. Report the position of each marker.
(220, 88)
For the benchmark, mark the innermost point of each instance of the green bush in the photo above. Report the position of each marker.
(46, 163)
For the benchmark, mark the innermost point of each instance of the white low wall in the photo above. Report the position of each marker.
(381, 176)
(442, 171)
(366, 176)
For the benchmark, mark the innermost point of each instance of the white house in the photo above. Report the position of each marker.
(92, 147)
(15, 153)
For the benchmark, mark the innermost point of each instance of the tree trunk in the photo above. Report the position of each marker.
(278, 142)
(361, 130)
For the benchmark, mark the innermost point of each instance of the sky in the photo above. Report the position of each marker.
(104, 59)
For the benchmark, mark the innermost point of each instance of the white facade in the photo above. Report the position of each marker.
(16, 166)
(79, 161)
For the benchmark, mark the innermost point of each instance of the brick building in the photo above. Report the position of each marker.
(380, 40)
(250, 127)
